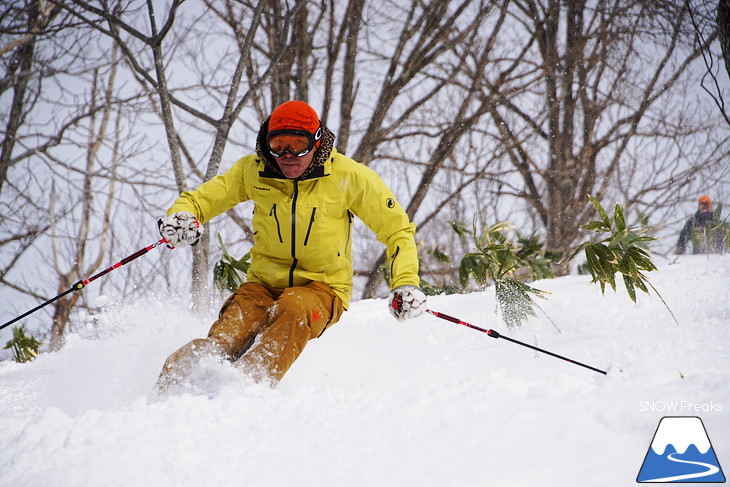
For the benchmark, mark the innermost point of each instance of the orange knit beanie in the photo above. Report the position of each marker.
(294, 115)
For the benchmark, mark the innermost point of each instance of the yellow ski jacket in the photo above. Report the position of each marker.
(302, 227)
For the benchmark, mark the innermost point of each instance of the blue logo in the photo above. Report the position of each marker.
(681, 452)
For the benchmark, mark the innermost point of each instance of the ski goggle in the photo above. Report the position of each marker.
(296, 142)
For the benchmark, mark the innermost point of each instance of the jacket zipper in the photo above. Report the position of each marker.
(309, 229)
(349, 230)
(293, 233)
(278, 227)
(392, 262)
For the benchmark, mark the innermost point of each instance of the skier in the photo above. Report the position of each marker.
(305, 196)
(702, 231)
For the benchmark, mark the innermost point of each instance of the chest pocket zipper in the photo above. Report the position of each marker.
(392, 261)
(278, 226)
(311, 222)
(350, 216)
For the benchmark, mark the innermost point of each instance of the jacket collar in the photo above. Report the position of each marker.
(312, 173)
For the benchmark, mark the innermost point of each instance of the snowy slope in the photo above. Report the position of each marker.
(374, 402)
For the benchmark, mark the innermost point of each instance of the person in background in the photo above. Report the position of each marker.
(705, 234)
(305, 196)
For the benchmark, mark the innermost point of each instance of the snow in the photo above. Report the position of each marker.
(374, 402)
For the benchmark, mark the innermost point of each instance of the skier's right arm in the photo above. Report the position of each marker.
(214, 196)
(182, 224)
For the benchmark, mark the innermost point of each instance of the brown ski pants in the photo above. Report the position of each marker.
(261, 329)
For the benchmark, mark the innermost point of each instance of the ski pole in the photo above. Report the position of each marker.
(495, 334)
(81, 284)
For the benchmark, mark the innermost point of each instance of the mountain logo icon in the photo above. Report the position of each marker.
(681, 452)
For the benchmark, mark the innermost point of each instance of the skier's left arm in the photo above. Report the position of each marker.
(379, 209)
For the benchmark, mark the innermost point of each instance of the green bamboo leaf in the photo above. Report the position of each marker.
(596, 226)
(641, 260)
(603, 286)
(619, 237)
(440, 256)
(243, 263)
(591, 260)
(229, 272)
(628, 267)
(601, 212)
(610, 278)
(460, 229)
(630, 288)
(607, 256)
(499, 260)
(473, 265)
(642, 238)
(463, 275)
(514, 302)
(618, 218)
(24, 348)
(226, 255)
(578, 250)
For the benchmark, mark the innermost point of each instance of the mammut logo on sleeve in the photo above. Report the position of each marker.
(390, 203)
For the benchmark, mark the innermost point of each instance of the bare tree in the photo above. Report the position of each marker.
(23, 23)
(41, 54)
(473, 105)
(707, 26)
(604, 92)
(79, 267)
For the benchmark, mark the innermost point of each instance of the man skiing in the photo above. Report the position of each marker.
(305, 196)
(702, 231)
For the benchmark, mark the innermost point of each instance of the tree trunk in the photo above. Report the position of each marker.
(61, 315)
(23, 59)
(723, 28)
(199, 287)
